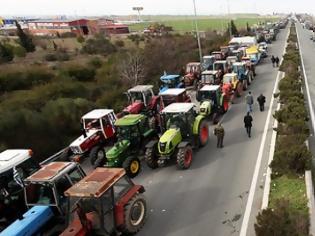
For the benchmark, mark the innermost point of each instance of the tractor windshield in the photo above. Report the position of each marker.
(190, 69)
(40, 194)
(208, 95)
(218, 66)
(92, 124)
(207, 79)
(168, 99)
(136, 97)
(227, 79)
(174, 120)
(127, 132)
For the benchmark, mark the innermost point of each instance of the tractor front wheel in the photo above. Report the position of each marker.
(97, 153)
(151, 158)
(184, 157)
(135, 213)
(132, 166)
(203, 133)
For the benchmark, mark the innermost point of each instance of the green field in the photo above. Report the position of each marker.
(186, 24)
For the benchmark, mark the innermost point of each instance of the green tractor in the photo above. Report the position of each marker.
(133, 133)
(183, 131)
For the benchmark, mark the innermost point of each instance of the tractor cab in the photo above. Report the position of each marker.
(174, 95)
(231, 59)
(104, 202)
(218, 55)
(238, 54)
(232, 84)
(225, 51)
(209, 77)
(46, 186)
(221, 67)
(171, 81)
(254, 54)
(98, 129)
(209, 93)
(192, 74)
(207, 62)
(239, 68)
(230, 79)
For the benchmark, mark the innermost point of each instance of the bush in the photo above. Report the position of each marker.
(68, 35)
(81, 73)
(19, 51)
(80, 39)
(98, 45)
(6, 53)
(95, 62)
(60, 56)
(51, 57)
(120, 43)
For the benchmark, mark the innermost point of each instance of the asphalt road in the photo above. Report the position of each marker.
(210, 198)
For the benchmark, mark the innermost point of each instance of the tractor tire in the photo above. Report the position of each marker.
(135, 212)
(132, 166)
(151, 158)
(215, 118)
(203, 134)
(184, 157)
(96, 152)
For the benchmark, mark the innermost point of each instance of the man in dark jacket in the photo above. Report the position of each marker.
(273, 60)
(248, 119)
(219, 132)
(277, 60)
(261, 100)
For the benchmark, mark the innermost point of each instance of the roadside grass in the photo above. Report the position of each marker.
(204, 24)
(291, 188)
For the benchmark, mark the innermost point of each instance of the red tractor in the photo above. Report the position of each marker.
(193, 72)
(105, 202)
(174, 95)
(98, 131)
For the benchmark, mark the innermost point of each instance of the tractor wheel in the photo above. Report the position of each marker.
(96, 152)
(151, 158)
(134, 214)
(215, 118)
(203, 133)
(132, 166)
(184, 157)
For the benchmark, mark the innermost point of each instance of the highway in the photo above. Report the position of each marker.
(212, 196)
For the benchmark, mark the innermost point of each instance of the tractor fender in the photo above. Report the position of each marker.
(151, 144)
(183, 144)
(197, 123)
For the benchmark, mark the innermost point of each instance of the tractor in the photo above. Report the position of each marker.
(219, 56)
(44, 196)
(213, 101)
(222, 68)
(254, 54)
(171, 81)
(106, 202)
(237, 53)
(133, 132)
(225, 51)
(207, 62)
(13, 163)
(98, 131)
(209, 77)
(230, 60)
(174, 95)
(183, 130)
(243, 74)
(231, 85)
(192, 76)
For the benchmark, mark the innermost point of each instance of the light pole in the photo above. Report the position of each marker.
(229, 17)
(197, 32)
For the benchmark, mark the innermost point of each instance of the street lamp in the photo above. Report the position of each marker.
(197, 31)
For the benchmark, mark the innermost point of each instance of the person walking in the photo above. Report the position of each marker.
(249, 101)
(261, 101)
(219, 132)
(277, 60)
(273, 60)
(248, 119)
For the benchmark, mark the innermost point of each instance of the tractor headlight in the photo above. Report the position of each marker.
(202, 109)
(162, 147)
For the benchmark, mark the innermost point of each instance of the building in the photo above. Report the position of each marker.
(107, 27)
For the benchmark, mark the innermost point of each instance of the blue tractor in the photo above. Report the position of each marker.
(171, 81)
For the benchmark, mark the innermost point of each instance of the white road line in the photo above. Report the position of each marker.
(306, 84)
(251, 194)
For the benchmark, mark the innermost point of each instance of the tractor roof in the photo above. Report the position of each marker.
(210, 88)
(51, 171)
(140, 88)
(169, 77)
(209, 72)
(208, 57)
(239, 63)
(220, 62)
(230, 75)
(13, 157)
(193, 64)
(97, 114)
(232, 57)
(173, 91)
(128, 120)
(96, 183)
(178, 108)
(216, 52)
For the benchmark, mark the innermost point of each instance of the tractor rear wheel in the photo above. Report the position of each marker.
(132, 166)
(203, 133)
(96, 152)
(151, 158)
(184, 157)
(135, 213)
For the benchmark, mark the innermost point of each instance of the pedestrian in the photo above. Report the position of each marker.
(249, 101)
(219, 132)
(277, 60)
(261, 101)
(248, 119)
(273, 60)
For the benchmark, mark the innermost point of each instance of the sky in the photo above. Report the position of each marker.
(151, 7)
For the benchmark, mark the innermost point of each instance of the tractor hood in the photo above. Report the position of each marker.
(205, 108)
(76, 146)
(117, 149)
(169, 140)
(134, 108)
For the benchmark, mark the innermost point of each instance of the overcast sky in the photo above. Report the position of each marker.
(175, 7)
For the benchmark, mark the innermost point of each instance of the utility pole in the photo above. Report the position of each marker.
(229, 17)
(197, 32)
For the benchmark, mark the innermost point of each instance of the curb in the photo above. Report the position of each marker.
(310, 197)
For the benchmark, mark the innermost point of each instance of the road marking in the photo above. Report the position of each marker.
(306, 84)
(251, 194)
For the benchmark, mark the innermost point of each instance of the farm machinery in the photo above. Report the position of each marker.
(105, 202)
(44, 195)
(212, 101)
(218, 55)
(209, 77)
(207, 62)
(175, 95)
(192, 76)
(243, 74)
(15, 165)
(171, 81)
(183, 130)
(232, 85)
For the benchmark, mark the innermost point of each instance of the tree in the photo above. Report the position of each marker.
(25, 40)
(234, 30)
(132, 68)
(6, 53)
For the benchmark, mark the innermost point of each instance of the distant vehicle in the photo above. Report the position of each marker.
(174, 95)
(171, 81)
(209, 77)
(263, 45)
(218, 55)
(192, 76)
(207, 62)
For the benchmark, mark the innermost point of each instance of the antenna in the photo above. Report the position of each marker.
(138, 9)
